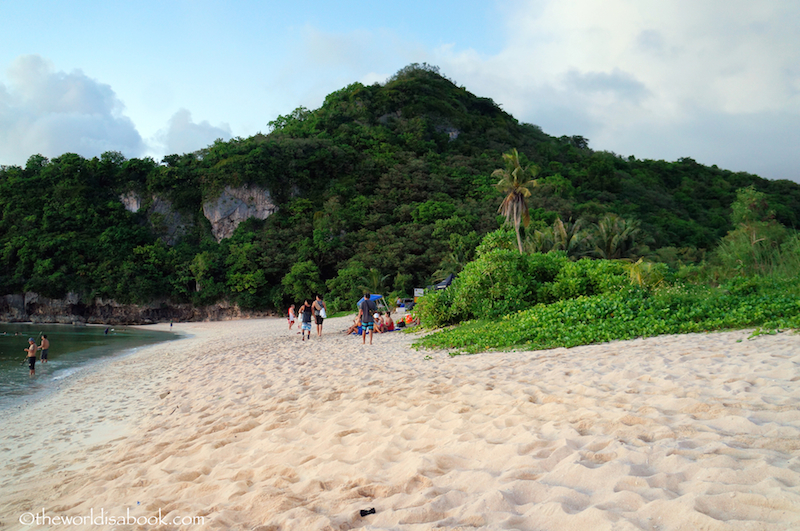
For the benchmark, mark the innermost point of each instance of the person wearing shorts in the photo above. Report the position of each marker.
(44, 348)
(31, 350)
(305, 326)
(320, 311)
(365, 309)
(291, 316)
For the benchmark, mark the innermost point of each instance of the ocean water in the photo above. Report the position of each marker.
(72, 349)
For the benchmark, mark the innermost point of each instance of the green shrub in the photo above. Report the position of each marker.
(503, 238)
(435, 309)
(586, 277)
(630, 313)
(502, 281)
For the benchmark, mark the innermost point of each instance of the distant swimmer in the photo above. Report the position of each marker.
(44, 347)
(106, 332)
(31, 350)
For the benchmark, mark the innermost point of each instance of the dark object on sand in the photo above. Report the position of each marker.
(368, 511)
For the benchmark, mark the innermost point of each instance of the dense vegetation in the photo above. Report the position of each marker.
(386, 186)
(505, 299)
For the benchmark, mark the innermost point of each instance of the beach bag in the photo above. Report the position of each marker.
(323, 313)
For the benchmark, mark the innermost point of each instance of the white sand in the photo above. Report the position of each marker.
(262, 431)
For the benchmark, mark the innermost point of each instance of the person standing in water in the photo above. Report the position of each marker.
(44, 347)
(31, 350)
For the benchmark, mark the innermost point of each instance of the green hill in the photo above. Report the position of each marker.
(385, 185)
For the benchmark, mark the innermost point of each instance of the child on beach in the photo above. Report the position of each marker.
(291, 316)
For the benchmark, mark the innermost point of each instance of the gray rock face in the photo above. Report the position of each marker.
(32, 307)
(235, 205)
(164, 220)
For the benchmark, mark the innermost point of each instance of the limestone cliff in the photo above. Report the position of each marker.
(235, 205)
(168, 223)
(225, 212)
(32, 307)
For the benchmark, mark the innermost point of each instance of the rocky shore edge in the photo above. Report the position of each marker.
(32, 307)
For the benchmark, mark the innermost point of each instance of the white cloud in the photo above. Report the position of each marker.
(184, 136)
(49, 112)
(643, 77)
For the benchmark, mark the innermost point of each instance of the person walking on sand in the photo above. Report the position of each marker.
(31, 350)
(365, 309)
(44, 347)
(291, 316)
(320, 313)
(306, 311)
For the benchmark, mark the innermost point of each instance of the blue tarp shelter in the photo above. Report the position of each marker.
(379, 302)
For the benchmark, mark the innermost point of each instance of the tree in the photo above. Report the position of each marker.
(750, 206)
(302, 281)
(517, 183)
(374, 282)
(614, 238)
(567, 237)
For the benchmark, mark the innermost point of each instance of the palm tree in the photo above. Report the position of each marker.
(517, 183)
(374, 282)
(562, 236)
(615, 238)
(569, 238)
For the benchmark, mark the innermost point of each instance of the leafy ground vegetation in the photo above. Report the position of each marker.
(505, 299)
(384, 187)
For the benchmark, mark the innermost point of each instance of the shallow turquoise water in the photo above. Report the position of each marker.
(72, 349)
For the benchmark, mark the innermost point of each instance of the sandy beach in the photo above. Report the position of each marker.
(243, 426)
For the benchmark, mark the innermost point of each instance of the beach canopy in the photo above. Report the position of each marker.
(379, 302)
(444, 283)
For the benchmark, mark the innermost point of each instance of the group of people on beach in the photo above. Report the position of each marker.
(319, 311)
(368, 321)
(382, 323)
(43, 349)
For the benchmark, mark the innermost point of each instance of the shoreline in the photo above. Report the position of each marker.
(104, 411)
(52, 380)
(246, 426)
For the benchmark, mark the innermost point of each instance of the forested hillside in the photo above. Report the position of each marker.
(384, 186)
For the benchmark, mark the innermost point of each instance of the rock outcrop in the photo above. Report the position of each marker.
(132, 201)
(225, 213)
(164, 219)
(235, 205)
(32, 307)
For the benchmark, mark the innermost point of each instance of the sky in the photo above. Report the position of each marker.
(714, 80)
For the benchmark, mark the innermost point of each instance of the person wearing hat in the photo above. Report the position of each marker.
(31, 350)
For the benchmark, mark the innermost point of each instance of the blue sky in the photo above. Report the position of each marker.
(718, 81)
